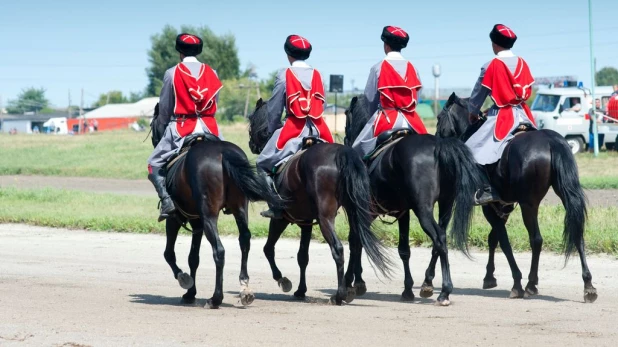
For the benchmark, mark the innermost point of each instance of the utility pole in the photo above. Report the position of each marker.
(69, 106)
(595, 129)
(247, 99)
(81, 110)
(436, 73)
(1, 114)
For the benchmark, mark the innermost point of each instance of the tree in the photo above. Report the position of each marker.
(233, 98)
(607, 76)
(111, 97)
(219, 52)
(29, 100)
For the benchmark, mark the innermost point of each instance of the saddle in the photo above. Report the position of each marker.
(522, 128)
(189, 141)
(307, 142)
(386, 140)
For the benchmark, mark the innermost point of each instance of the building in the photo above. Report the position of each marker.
(25, 123)
(114, 116)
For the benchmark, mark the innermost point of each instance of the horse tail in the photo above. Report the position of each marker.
(353, 190)
(459, 172)
(565, 180)
(244, 175)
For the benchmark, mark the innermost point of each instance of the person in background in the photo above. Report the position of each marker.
(597, 115)
(615, 93)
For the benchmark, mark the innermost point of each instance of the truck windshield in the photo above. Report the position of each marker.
(545, 103)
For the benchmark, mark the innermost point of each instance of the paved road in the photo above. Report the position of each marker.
(75, 288)
(597, 197)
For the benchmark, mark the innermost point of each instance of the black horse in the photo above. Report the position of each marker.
(414, 174)
(314, 185)
(213, 176)
(531, 163)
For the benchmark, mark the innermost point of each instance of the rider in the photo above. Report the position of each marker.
(392, 90)
(507, 79)
(300, 90)
(187, 104)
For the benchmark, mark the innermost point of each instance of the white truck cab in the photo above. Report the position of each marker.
(567, 110)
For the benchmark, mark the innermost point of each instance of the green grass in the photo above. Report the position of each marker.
(111, 212)
(123, 154)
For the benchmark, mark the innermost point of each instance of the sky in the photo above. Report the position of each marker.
(69, 45)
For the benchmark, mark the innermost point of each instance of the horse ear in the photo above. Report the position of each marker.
(452, 98)
(259, 103)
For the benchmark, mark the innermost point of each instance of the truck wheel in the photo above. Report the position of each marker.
(576, 144)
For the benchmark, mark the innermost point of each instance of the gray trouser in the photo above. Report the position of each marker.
(271, 156)
(365, 143)
(171, 142)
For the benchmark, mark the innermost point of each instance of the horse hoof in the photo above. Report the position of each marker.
(361, 288)
(246, 297)
(407, 295)
(590, 295)
(185, 280)
(212, 304)
(516, 293)
(187, 300)
(335, 301)
(285, 284)
(351, 295)
(443, 302)
(490, 283)
(531, 291)
(299, 295)
(426, 291)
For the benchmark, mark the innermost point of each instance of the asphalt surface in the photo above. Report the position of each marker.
(76, 288)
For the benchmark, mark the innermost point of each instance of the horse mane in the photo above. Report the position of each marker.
(258, 127)
(357, 116)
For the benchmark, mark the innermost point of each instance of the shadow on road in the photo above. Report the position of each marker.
(503, 294)
(159, 300)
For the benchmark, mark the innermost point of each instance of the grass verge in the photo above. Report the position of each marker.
(123, 154)
(111, 212)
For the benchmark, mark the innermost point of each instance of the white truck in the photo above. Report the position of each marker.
(556, 108)
(56, 125)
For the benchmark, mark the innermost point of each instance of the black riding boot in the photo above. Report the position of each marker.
(488, 193)
(272, 212)
(157, 177)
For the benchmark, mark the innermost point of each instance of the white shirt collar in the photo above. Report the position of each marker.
(394, 56)
(300, 63)
(190, 60)
(505, 54)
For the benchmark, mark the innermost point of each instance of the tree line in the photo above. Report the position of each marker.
(241, 87)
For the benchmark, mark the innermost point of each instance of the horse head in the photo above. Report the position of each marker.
(357, 115)
(258, 127)
(453, 119)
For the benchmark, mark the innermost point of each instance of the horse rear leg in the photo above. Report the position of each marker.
(404, 254)
(276, 228)
(498, 226)
(244, 240)
(209, 220)
(445, 205)
(194, 260)
(303, 259)
(172, 226)
(490, 281)
(327, 226)
(530, 216)
(438, 237)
